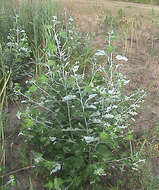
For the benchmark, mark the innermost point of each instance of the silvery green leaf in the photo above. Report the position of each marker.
(111, 92)
(108, 109)
(100, 52)
(135, 169)
(141, 161)
(71, 129)
(75, 68)
(89, 139)
(111, 32)
(90, 97)
(23, 101)
(119, 57)
(126, 81)
(71, 19)
(19, 115)
(102, 90)
(92, 182)
(115, 106)
(100, 172)
(56, 168)
(127, 98)
(108, 116)
(91, 106)
(133, 119)
(67, 64)
(21, 133)
(52, 139)
(132, 113)
(95, 114)
(54, 18)
(10, 181)
(38, 159)
(96, 120)
(123, 127)
(69, 97)
(57, 110)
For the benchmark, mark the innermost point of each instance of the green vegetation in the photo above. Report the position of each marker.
(77, 112)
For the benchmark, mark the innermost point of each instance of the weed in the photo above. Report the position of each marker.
(31, 184)
(15, 58)
(110, 19)
(121, 13)
(77, 120)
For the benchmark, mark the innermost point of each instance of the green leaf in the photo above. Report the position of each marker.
(109, 48)
(49, 27)
(51, 63)
(0, 47)
(57, 183)
(51, 47)
(42, 79)
(70, 82)
(130, 137)
(103, 136)
(63, 34)
(104, 152)
(28, 123)
(50, 185)
(87, 90)
(31, 184)
(32, 89)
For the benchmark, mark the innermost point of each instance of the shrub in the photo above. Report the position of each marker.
(78, 122)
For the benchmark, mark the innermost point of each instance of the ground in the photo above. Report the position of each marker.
(140, 45)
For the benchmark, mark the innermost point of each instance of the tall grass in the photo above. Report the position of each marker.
(33, 18)
(4, 78)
